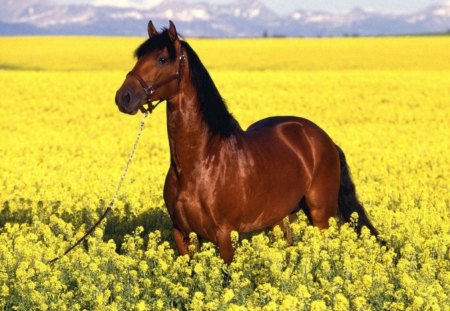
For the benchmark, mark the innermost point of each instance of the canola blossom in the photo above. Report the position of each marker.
(385, 101)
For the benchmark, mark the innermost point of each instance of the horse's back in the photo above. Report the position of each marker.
(307, 139)
(276, 120)
(291, 124)
(296, 139)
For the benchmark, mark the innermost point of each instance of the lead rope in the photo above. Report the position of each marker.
(116, 193)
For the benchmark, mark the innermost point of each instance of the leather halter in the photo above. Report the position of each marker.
(150, 89)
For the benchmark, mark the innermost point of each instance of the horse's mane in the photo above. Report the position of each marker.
(211, 104)
(158, 42)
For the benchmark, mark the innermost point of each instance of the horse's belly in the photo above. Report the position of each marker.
(263, 212)
(262, 196)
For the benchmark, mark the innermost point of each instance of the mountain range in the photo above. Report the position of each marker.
(243, 18)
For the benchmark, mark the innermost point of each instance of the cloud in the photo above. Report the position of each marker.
(143, 4)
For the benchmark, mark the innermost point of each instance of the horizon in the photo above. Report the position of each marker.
(289, 5)
(249, 18)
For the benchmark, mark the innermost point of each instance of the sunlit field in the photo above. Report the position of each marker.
(385, 101)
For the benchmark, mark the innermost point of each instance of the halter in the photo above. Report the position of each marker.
(150, 89)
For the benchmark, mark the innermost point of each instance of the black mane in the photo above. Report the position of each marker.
(158, 42)
(211, 104)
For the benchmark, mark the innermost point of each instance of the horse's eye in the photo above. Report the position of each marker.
(162, 60)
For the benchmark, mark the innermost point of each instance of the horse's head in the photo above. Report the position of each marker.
(157, 73)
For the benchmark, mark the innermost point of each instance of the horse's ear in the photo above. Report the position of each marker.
(172, 32)
(151, 30)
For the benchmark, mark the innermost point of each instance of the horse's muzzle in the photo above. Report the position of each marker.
(127, 100)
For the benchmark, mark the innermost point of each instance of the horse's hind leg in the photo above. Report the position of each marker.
(322, 205)
(322, 197)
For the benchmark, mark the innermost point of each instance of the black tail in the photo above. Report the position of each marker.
(348, 202)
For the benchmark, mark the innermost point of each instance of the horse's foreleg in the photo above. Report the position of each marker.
(181, 241)
(226, 249)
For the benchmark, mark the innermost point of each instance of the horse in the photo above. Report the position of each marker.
(223, 178)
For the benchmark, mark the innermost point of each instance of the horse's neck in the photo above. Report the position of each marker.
(188, 133)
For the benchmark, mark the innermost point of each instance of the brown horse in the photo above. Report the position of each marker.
(222, 178)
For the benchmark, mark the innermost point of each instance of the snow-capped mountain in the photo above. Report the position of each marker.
(243, 18)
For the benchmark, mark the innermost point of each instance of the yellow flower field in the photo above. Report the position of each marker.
(385, 101)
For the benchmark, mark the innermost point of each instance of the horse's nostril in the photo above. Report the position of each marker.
(126, 97)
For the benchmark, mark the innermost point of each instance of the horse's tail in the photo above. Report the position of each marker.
(348, 203)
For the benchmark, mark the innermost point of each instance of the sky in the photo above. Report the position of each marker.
(286, 6)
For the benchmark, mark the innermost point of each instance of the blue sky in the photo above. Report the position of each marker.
(290, 5)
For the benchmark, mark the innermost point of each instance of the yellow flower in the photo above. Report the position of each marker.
(341, 303)
(289, 303)
(417, 304)
(234, 238)
(118, 287)
(143, 266)
(228, 295)
(198, 268)
(367, 281)
(4, 290)
(318, 305)
(55, 182)
(141, 306)
(147, 283)
(197, 301)
(359, 303)
(133, 274)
